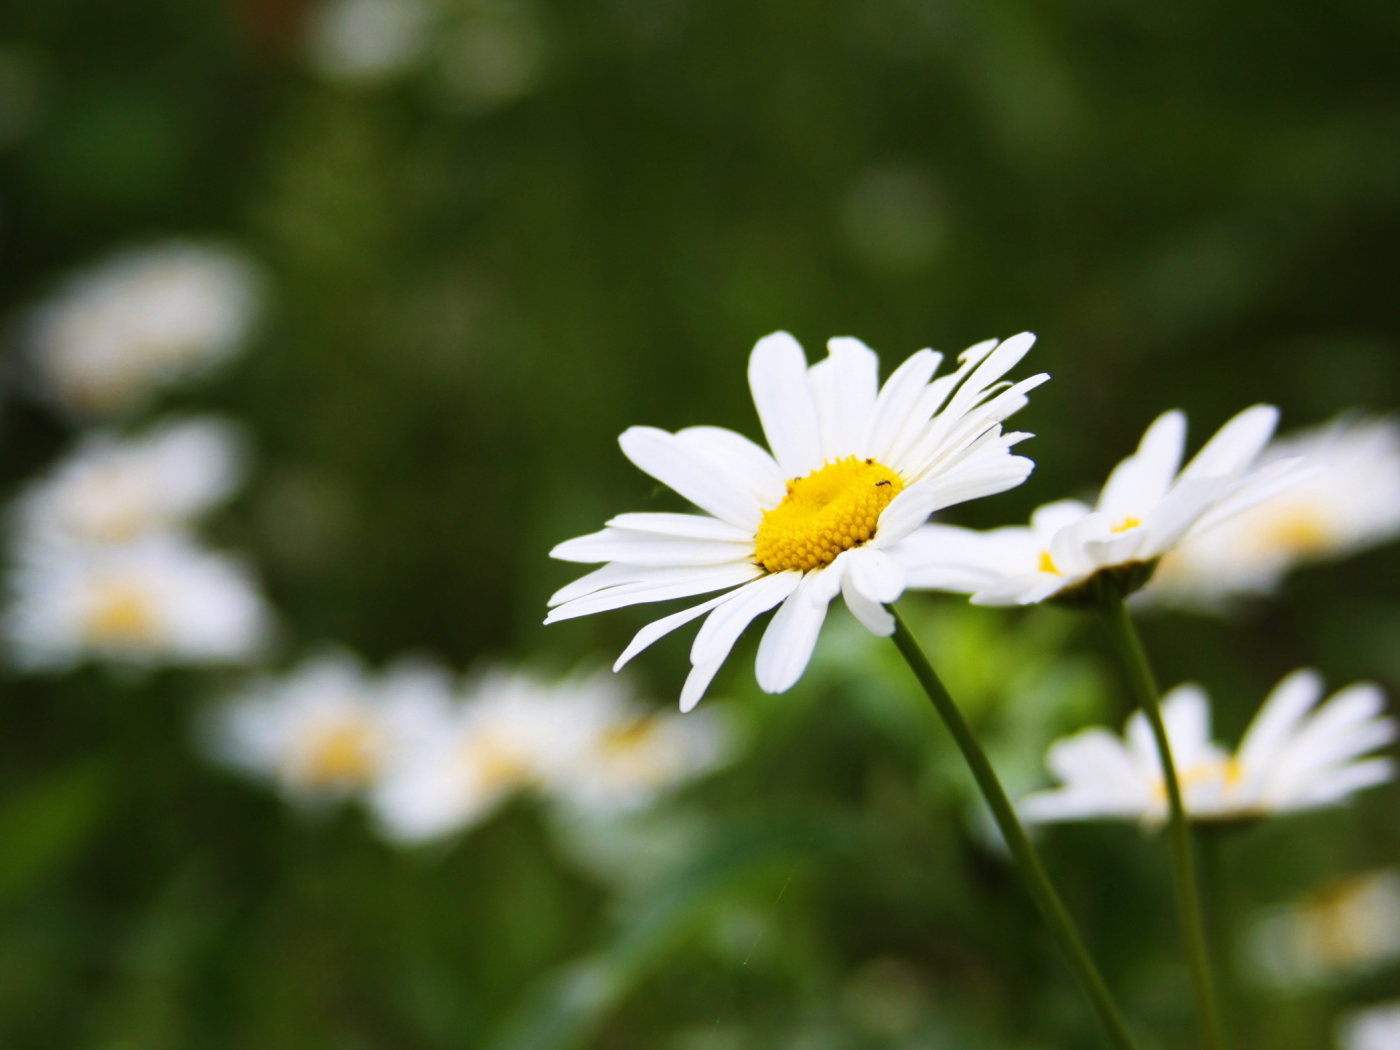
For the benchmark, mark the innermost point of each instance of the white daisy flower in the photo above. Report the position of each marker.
(139, 320)
(112, 490)
(158, 600)
(1144, 511)
(1340, 930)
(1296, 755)
(512, 731)
(1350, 504)
(1376, 1028)
(328, 729)
(854, 469)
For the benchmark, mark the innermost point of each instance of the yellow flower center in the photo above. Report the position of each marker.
(344, 754)
(1298, 534)
(122, 613)
(1047, 563)
(499, 766)
(829, 511)
(1127, 523)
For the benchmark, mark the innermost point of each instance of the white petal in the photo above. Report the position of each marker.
(658, 629)
(739, 461)
(1235, 445)
(685, 526)
(844, 388)
(874, 616)
(646, 548)
(792, 634)
(669, 460)
(725, 624)
(1186, 712)
(873, 573)
(1283, 710)
(1179, 512)
(665, 585)
(948, 558)
(1140, 481)
(897, 400)
(1049, 518)
(783, 397)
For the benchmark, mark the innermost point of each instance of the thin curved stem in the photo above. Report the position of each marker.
(1188, 893)
(1056, 915)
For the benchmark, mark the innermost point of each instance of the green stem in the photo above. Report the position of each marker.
(1188, 894)
(1056, 915)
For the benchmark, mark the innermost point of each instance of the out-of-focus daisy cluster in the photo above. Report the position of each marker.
(105, 559)
(431, 757)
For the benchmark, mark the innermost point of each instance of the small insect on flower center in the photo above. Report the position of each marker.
(829, 511)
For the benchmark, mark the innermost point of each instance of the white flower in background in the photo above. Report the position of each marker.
(140, 320)
(1350, 504)
(158, 600)
(112, 490)
(631, 755)
(367, 39)
(1296, 755)
(329, 729)
(854, 470)
(1144, 511)
(512, 731)
(1340, 930)
(1377, 1028)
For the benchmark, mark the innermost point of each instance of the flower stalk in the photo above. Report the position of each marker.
(1052, 908)
(1144, 683)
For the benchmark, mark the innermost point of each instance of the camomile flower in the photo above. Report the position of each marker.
(1375, 1028)
(112, 489)
(1145, 510)
(1342, 929)
(854, 469)
(1348, 505)
(158, 600)
(512, 731)
(1296, 755)
(329, 729)
(140, 320)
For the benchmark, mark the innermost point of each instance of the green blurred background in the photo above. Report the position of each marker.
(555, 220)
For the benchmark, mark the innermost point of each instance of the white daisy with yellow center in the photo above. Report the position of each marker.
(1296, 755)
(157, 600)
(1351, 503)
(1146, 509)
(854, 469)
(329, 729)
(1341, 929)
(113, 490)
(140, 320)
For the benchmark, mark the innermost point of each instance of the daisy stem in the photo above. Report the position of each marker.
(1056, 915)
(1188, 893)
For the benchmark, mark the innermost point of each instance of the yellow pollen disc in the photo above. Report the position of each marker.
(1127, 523)
(1298, 534)
(122, 613)
(829, 511)
(630, 736)
(1047, 563)
(498, 765)
(343, 755)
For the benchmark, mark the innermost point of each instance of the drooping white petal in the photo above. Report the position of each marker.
(658, 629)
(783, 397)
(674, 463)
(662, 585)
(792, 634)
(723, 627)
(874, 574)
(873, 616)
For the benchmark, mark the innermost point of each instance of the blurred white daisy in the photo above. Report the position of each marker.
(855, 468)
(158, 600)
(1296, 755)
(112, 490)
(329, 729)
(365, 40)
(140, 320)
(1144, 511)
(1350, 504)
(1376, 1028)
(1340, 930)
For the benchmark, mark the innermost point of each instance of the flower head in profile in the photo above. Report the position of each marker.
(329, 729)
(1375, 1028)
(141, 320)
(157, 600)
(1296, 755)
(112, 489)
(1342, 929)
(854, 469)
(1348, 505)
(1148, 506)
